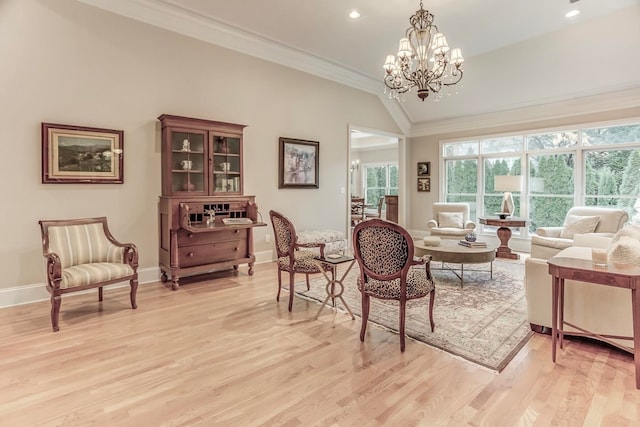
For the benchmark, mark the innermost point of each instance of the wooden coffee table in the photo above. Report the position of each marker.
(450, 251)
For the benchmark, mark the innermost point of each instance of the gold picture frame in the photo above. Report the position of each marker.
(81, 155)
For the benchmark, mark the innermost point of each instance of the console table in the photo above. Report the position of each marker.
(504, 233)
(581, 270)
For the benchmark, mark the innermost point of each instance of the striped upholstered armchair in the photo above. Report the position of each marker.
(82, 254)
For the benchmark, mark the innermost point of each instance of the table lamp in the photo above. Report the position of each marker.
(508, 183)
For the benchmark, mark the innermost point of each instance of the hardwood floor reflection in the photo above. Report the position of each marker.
(224, 352)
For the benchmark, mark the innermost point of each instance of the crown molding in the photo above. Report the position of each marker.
(182, 21)
(579, 105)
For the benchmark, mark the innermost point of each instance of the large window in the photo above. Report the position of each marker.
(379, 179)
(563, 168)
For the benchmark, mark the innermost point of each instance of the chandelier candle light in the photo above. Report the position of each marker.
(423, 60)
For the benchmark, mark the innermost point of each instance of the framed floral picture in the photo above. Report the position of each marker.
(81, 155)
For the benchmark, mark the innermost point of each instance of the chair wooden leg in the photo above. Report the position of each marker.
(100, 294)
(365, 315)
(279, 284)
(56, 300)
(291, 290)
(403, 309)
(432, 298)
(134, 290)
(308, 286)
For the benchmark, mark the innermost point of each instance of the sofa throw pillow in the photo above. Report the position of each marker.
(574, 224)
(630, 230)
(450, 220)
(625, 251)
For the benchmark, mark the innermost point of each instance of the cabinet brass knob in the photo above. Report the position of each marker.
(190, 235)
(190, 254)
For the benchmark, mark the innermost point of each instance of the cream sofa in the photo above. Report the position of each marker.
(601, 309)
(450, 220)
(548, 241)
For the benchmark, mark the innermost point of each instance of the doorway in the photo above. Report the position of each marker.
(374, 170)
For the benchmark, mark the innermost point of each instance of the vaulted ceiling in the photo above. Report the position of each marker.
(518, 53)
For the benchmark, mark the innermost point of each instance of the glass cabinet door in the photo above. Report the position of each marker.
(188, 165)
(227, 164)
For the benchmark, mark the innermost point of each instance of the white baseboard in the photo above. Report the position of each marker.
(26, 294)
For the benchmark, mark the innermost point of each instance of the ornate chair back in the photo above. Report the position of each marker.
(290, 258)
(388, 270)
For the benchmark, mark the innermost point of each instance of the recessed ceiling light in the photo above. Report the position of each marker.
(572, 13)
(354, 14)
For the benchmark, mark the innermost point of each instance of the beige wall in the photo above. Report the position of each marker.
(65, 62)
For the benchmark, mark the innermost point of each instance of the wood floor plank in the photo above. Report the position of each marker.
(223, 352)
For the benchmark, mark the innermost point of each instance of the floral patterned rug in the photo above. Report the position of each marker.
(484, 322)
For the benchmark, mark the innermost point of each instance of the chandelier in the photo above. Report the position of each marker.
(423, 60)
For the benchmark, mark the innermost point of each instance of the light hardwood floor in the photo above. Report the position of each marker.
(223, 352)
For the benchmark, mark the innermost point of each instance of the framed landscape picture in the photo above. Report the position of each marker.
(298, 163)
(81, 155)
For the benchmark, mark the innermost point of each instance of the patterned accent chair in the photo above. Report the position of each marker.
(82, 254)
(389, 271)
(290, 258)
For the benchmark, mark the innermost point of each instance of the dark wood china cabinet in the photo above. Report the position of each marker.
(206, 223)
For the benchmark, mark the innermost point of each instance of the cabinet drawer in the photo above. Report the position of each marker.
(186, 238)
(189, 256)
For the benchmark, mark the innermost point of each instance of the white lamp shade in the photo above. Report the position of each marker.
(508, 183)
(390, 64)
(439, 44)
(456, 56)
(404, 48)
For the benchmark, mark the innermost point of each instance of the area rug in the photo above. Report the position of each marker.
(484, 322)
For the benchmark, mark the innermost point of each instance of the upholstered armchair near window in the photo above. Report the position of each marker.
(450, 220)
(388, 270)
(290, 258)
(595, 220)
(82, 254)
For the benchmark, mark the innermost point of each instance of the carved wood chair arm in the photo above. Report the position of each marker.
(130, 255)
(54, 269)
(311, 245)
